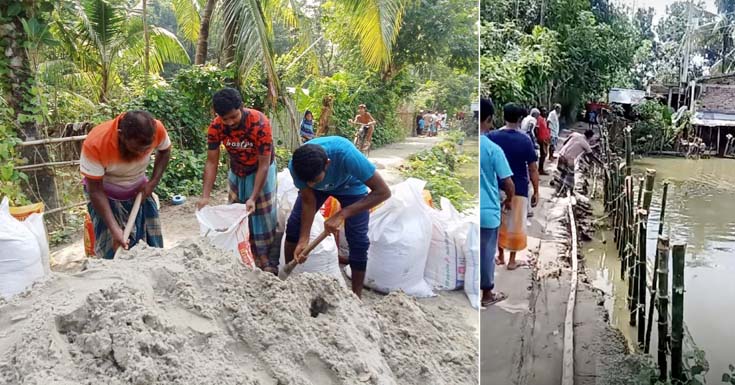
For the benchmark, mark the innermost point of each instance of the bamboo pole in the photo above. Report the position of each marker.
(52, 140)
(640, 194)
(662, 258)
(648, 192)
(677, 312)
(642, 277)
(568, 353)
(655, 292)
(631, 251)
(628, 153)
(47, 164)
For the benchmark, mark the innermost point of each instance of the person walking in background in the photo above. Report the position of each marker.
(543, 136)
(554, 129)
(521, 156)
(246, 135)
(419, 118)
(528, 125)
(115, 156)
(307, 127)
(421, 125)
(493, 168)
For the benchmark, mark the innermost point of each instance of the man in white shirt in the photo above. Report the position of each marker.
(554, 128)
(528, 125)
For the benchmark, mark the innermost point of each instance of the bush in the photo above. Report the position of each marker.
(437, 167)
(185, 172)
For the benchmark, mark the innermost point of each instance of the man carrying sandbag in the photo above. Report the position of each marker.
(333, 166)
(246, 134)
(114, 159)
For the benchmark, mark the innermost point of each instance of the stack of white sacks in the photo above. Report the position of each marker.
(413, 247)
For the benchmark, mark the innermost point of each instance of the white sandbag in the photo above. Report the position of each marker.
(445, 264)
(472, 270)
(323, 259)
(23, 245)
(226, 226)
(286, 195)
(399, 242)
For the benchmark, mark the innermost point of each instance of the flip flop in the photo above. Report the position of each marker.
(499, 262)
(517, 265)
(497, 297)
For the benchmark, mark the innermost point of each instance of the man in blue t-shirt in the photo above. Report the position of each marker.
(521, 155)
(493, 167)
(332, 166)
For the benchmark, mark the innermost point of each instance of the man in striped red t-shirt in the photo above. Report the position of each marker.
(115, 156)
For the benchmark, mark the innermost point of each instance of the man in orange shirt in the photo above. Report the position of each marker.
(115, 156)
(246, 135)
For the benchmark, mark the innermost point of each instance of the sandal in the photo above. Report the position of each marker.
(496, 297)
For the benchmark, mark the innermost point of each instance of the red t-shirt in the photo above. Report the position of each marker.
(250, 139)
(543, 128)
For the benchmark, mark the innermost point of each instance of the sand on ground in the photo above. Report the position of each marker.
(191, 314)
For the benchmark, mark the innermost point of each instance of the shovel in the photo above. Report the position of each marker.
(131, 221)
(288, 269)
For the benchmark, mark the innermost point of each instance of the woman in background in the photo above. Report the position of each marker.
(307, 127)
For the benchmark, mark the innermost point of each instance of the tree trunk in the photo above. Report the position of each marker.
(327, 106)
(201, 53)
(41, 182)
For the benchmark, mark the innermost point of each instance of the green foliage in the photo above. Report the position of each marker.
(184, 106)
(348, 91)
(653, 125)
(183, 175)
(283, 156)
(579, 52)
(10, 179)
(437, 167)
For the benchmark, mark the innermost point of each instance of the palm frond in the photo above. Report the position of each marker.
(375, 25)
(165, 47)
(188, 17)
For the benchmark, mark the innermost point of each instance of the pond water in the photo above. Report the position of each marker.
(700, 210)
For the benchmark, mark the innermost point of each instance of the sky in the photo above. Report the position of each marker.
(659, 6)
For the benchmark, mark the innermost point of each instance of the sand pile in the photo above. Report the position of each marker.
(192, 315)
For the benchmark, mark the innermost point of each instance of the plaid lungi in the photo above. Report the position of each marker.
(262, 221)
(147, 225)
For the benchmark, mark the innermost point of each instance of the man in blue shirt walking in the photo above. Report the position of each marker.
(332, 166)
(523, 161)
(493, 167)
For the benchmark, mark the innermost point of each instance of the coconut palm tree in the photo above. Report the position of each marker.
(98, 34)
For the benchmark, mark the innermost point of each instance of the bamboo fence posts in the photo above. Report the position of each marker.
(656, 263)
(629, 218)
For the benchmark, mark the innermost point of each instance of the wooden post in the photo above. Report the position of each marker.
(628, 153)
(640, 194)
(642, 277)
(677, 311)
(631, 256)
(655, 284)
(663, 209)
(648, 192)
(662, 258)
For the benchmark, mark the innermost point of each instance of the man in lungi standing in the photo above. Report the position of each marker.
(115, 156)
(246, 135)
(494, 169)
(332, 166)
(521, 155)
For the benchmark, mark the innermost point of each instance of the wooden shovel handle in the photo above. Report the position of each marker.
(131, 220)
(324, 234)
